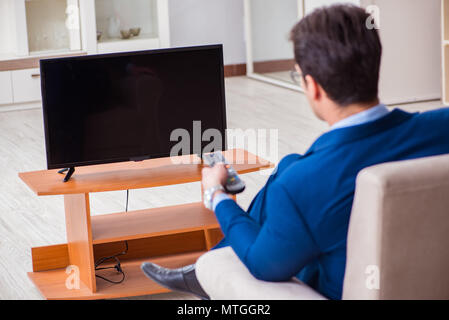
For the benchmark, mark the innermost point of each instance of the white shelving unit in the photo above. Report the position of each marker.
(52, 26)
(35, 29)
(38, 27)
(13, 35)
(112, 16)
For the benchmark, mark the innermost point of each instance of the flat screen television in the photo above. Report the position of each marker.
(124, 106)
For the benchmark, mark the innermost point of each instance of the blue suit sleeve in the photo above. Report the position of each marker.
(280, 248)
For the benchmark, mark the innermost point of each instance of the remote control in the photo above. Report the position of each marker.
(234, 184)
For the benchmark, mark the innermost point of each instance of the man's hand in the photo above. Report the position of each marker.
(214, 176)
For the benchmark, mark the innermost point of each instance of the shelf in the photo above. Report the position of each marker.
(52, 25)
(134, 175)
(111, 16)
(52, 286)
(152, 222)
(133, 44)
(10, 63)
(137, 38)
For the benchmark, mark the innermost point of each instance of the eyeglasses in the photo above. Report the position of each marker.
(296, 77)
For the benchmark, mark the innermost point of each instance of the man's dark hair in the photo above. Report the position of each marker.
(334, 45)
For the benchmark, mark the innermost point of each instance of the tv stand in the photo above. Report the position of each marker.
(171, 236)
(70, 171)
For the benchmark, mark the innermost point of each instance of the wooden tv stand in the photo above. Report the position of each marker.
(170, 236)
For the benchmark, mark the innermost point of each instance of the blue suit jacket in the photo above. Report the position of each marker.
(297, 224)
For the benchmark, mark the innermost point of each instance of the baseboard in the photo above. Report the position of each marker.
(234, 70)
(274, 66)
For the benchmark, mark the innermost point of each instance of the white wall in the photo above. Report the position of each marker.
(411, 38)
(271, 22)
(310, 5)
(198, 22)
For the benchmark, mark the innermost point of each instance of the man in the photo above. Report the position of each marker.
(297, 224)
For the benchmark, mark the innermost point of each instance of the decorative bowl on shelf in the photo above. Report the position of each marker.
(126, 34)
(135, 31)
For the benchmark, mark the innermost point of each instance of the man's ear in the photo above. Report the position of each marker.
(313, 88)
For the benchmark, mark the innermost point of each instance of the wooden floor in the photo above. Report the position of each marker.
(28, 221)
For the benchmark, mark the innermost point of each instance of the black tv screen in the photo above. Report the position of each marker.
(125, 106)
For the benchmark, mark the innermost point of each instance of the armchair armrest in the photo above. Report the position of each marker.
(224, 277)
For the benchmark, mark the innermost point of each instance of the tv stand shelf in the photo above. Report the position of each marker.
(133, 175)
(52, 283)
(152, 222)
(171, 236)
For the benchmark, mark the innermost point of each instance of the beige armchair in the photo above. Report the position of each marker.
(398, 241)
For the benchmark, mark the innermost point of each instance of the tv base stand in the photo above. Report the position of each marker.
(171, 236)
(70, 171)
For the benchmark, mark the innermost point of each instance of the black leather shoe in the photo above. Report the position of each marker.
(182, 279)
